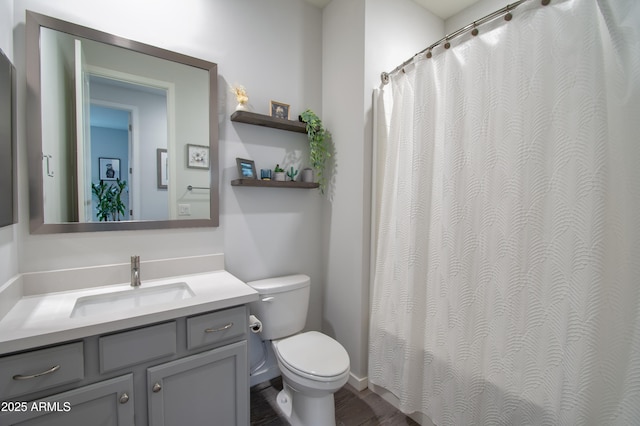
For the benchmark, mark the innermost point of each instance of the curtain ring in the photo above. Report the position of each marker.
(447, 44)
(475, 31)
(508, 16)
(545, 2)
(429, 54)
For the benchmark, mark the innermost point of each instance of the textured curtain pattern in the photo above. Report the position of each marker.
(506, 288)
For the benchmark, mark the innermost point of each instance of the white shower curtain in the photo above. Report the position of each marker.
(506, 284)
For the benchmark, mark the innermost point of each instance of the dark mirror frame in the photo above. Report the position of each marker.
(8, 144)
(36, 21)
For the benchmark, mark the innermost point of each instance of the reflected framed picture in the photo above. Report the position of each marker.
(198, 157)
(162, 168)
(109, 168)
(246, 168)
(279, 110)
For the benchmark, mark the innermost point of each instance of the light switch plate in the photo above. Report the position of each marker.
(184, 209)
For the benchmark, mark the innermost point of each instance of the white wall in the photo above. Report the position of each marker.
(361, 39)
(8, 234)
(346, 299)
(273, 49)
(473, 13)
(6, 27)
(395, 32)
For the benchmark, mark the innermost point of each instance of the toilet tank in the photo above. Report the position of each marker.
(283, 305)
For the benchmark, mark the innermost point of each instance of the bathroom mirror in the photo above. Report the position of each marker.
(121, 135)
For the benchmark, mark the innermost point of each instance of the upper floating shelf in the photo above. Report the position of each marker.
(268, 121)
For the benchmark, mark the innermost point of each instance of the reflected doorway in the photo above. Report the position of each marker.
(128, 123)
(111, 150)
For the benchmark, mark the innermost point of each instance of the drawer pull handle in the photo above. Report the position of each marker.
(124, 398)
(33, 376)
(215, 330)
(268, 299)
(156, 388)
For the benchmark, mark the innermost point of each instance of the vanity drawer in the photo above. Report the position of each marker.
(219, 326)
(136, 346)
(41, 369)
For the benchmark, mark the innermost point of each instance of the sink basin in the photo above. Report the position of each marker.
(130, 299)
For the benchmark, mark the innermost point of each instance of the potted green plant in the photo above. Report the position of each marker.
(278, 173)
(110, 205)
(319, 138)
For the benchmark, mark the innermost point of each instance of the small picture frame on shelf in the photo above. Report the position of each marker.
(279, 110)
(197, 157)
(246, 168)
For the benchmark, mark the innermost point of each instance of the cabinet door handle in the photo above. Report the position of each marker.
(33, 376)
(223, 328)
(268, 299)
(156, 388)
(124, 398)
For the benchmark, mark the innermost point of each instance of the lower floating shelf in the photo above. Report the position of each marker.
(274, 184)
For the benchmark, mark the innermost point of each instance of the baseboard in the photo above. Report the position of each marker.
(359, 383)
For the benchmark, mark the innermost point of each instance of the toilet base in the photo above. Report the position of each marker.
(306, 410)
(263, 362)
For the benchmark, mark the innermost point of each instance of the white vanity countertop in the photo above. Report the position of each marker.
(45, 319)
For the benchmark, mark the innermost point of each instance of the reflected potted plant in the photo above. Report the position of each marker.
(319, 140)
(110, 205)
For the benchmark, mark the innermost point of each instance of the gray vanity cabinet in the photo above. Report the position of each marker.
(204, 389)
(111, 401)
(187, 371)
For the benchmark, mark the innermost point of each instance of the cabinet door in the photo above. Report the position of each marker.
(210, 388)
(107, 403)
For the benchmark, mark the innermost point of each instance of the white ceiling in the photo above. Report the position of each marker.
(443, 9)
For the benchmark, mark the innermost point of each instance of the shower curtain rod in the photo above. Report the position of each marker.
(505, 10)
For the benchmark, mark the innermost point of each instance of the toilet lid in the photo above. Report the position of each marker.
(314, 353)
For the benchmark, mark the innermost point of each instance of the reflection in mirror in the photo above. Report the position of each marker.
(108, 106)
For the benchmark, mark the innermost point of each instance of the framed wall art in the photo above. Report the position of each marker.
(198, 157)
(246, 168)
(279, 110)
(109, 168)
(162, 168)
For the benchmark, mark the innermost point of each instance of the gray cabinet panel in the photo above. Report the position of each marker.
(217, 327)
(40, 369)
(133, 347)
(204, 389)
(99, 404)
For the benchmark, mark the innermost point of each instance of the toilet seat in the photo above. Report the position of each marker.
(313, 355)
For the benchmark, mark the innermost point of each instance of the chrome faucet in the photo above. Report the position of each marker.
(135, 271)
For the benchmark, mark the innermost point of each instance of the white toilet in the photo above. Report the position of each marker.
(313, 365)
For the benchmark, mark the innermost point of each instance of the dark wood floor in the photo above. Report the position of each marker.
(352, 407)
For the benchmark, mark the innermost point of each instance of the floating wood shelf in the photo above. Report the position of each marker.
(268, 121)
(274, 184)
